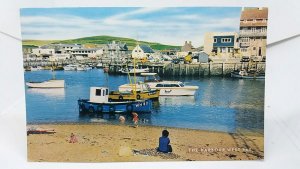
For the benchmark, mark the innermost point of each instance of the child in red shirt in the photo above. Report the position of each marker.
(135, 119)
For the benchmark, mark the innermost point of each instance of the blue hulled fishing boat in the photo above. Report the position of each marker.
(98, 103)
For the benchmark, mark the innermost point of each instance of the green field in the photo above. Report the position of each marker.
(99, 40)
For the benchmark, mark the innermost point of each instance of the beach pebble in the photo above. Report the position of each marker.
(125, 151)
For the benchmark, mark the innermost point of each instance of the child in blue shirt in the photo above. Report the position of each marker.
(164, 143)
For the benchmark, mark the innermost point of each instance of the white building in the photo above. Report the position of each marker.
(59, 57)
(87, 53)
(40, 52)
(142, 51)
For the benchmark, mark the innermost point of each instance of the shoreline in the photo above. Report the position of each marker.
(100, 142)
(245, 131)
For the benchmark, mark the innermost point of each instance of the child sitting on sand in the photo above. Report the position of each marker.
(164, 143)
(122, 119)
(73, 138)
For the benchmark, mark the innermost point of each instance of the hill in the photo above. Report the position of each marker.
(99, 40)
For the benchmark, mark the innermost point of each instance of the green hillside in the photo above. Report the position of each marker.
(99, 40)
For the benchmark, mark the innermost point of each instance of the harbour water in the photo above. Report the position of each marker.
(220, 104)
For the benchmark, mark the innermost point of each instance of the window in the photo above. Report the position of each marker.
(243, 49)
(226, 40)
(135, 51)
(159, 85)
(254, 48)
(98, 92)
(106, 91)
(174, 85)
(215, 40)
(139, 50)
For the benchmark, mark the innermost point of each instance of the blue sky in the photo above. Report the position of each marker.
(164, 25)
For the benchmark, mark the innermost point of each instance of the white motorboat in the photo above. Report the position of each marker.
(35, 68)
(70, 67)
(80, 68)
(47, 84)
(167, 88)
(99, 65)
(83, 67)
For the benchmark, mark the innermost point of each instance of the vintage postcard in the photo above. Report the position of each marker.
(125, 84)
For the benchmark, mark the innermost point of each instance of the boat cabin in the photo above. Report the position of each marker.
(179, 84)
(99, 94)
(151, 77)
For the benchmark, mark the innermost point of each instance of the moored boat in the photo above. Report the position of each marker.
(36, 68)
(167, 88)
(98, 103)
(47, 84)
(243, 74)
(70, 67)
(134, 70)
(99, 65)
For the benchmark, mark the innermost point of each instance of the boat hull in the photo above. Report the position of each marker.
(236, 75)
(136, 71)
(47, 84)
(140, 106)
(176, 91)
(165, 91)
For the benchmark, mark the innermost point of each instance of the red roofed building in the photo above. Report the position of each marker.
(253, 32)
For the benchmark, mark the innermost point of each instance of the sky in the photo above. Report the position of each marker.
(171, 26)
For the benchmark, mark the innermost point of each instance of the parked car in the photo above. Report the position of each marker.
(245, 59)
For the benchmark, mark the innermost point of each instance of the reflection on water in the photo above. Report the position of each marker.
(58, 93)
(220, 104)
(176, 100)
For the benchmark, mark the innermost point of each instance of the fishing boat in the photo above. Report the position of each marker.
(138, 90)
(70, 67)
(47, 84)
(99, 103)
(167, 88)
(35, 68)
(243, 74)
(81, 68)
(99, 65)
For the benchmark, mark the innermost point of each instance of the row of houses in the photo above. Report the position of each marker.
(55, 52)
(250, 42)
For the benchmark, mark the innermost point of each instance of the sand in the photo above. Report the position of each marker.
(118, 143)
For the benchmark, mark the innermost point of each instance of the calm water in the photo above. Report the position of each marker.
(220, 104)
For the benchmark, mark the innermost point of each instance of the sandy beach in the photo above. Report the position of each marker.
(113, 143)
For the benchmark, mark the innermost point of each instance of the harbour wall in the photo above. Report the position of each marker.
(200, 69)
(165, 69)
